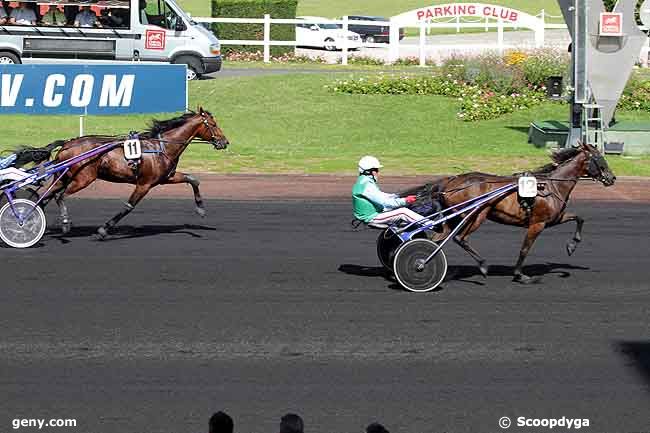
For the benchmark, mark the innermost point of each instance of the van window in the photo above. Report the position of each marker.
(158, 13)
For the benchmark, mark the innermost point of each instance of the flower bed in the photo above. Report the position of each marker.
(476, 102)
(486, 87)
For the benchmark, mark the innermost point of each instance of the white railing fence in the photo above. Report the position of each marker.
(394, 45)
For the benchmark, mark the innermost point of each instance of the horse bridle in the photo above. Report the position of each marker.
(593, 166)
(213, 136)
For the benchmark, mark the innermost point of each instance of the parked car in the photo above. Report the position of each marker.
(323, 33)
(372, 33)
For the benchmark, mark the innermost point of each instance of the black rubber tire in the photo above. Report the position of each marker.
(330, 44)
(387, 244)
(193, 64)
(9, 58)
(411, 275)
(28, 193)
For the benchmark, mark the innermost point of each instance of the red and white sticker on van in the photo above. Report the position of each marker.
(154, 40)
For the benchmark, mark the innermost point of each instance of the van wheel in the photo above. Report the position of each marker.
(193, 66)
(330, 45)
(191, 74)
(7, 58)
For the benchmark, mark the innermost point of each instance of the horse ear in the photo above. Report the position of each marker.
(200, 110)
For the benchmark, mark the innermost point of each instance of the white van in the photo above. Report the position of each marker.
(323, 33)
(130, 30)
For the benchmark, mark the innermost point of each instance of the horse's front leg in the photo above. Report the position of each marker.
(179, 177)
(137, 195)
(572, 244)
(533, 232)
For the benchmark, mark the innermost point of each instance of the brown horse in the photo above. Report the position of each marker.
(548, 209)
(162, 146)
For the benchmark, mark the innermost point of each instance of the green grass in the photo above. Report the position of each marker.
(387, 8)
(291, 124)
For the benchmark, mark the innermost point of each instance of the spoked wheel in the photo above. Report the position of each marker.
(387, 243)
(25, 233)
(411, 270)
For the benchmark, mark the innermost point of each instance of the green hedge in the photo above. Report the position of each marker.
(285, 9)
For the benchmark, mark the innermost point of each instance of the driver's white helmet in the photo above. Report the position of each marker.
(368, 163)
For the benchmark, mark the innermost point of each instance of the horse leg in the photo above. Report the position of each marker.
(531, 235)
(68, 188)
(461, 240)
(572, 244)
(138, 194)
(194, 183)
(63, 212)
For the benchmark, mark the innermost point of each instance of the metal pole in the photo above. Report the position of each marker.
(423, 41)
(500, 35)
(267, 38)
(344, 58)
(81, 126)
(541, 29)
(393, 49)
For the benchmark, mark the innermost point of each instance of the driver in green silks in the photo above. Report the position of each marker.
(373, 206)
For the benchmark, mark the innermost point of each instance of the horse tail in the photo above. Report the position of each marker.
(36, 155)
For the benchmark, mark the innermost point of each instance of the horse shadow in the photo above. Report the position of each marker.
(637, 353)
(467, 273)
(131, 232)
(376, 272)
(537, 271)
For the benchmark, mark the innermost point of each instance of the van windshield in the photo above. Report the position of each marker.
(158, 13)
(180, 11)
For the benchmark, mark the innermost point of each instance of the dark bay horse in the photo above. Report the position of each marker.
(548, 208)
(162, 146)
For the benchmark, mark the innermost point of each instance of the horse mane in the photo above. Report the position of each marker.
(157, 127)
(559, 157)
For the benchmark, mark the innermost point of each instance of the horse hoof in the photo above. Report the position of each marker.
(571, 247)
(65, 228)
(201, 212)
(525, 279)
(102, 232)
(484, 270)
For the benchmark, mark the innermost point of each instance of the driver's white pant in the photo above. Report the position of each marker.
(12, 173)
(397, 215)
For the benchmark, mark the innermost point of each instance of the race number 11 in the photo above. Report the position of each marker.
(132, 149)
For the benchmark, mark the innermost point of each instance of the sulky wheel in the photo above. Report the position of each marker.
(411, 270)
(25, 233)
(387, 243)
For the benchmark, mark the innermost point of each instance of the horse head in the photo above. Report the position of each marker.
(596, 165)
(210, 131)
